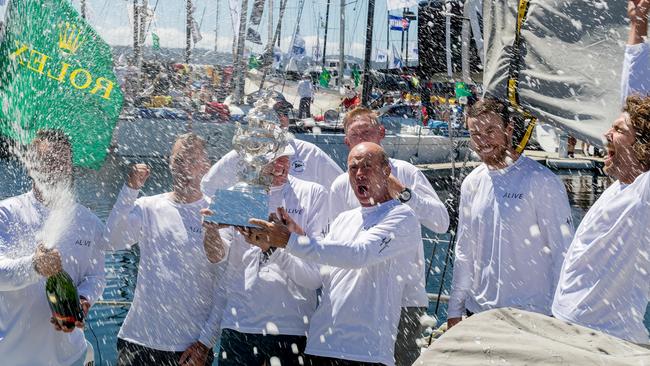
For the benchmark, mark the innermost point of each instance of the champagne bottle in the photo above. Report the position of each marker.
(63, 298)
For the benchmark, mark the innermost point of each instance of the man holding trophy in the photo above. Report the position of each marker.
(308, 162)
(270, 294)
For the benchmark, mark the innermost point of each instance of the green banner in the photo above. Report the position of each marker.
(57, 73)
(356, 75)
(156, 41)
(324, 79)
(461, 90)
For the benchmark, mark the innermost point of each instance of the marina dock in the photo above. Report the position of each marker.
(550, 160)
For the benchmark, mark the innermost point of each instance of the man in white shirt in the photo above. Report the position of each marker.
(308, 163)
(408, 184)
(271, 294)
(41, 233)
(365, 259)
(171, 320)
(306, 94)
(604, 283)
(514, 224)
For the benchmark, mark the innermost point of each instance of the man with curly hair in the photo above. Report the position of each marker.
(604, 282)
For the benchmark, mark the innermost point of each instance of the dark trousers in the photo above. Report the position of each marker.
(304, 109)
(408, 331)
(131, 354)
(257, 349)
(328, 361)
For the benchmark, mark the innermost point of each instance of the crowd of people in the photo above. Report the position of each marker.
(335, 274)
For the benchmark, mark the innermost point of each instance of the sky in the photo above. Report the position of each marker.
(112, 20)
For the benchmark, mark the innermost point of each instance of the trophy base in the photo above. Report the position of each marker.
(237, 205)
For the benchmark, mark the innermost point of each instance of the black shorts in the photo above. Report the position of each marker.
(329, 361)
(131, 354)
(257, 349)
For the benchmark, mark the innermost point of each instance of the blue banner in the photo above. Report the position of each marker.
(398, 23)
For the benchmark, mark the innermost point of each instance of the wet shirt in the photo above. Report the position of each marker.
(308, 163)
(363, 270)
(431, 213)
(176, 285)
(27, 337)
(604, 283)
(514, 227)
(275, 294)
(635, 78)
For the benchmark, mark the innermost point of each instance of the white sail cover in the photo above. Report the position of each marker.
(516, 337)
(572, 52)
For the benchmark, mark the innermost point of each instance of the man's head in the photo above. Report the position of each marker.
(278, 169)
(282, 108)
(361, 125)
(628, 141)
(368, 170)
(491, 130)
(50, 158)
(188, 161)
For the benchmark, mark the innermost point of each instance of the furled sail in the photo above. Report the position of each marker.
(567, 68)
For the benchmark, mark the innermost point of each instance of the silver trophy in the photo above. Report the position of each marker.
(257, 144)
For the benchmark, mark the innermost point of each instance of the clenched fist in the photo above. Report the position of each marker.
(47, 262)
(138, 175)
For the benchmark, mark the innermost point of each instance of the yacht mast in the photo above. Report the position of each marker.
(188, 31)
(239, 62)
(341, 44)
(327, 21)
(367, 88)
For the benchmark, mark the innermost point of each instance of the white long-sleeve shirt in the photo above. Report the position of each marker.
(514, 227)
(605, 281)
(635, 78)
(27, 337)
(175, 293)
(308, 163)
(278, 296)
(366, 256)
(431, 213)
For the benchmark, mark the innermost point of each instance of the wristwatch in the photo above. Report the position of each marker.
(405, 195)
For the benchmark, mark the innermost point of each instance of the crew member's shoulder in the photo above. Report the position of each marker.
(83, 213)
(539, 174)
(303, 186)
(13, 206)
(475, 175)
(14, 203)
(304, 146)
(341, 181)
(404, 166)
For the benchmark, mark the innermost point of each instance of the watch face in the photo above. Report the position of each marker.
(405, 196)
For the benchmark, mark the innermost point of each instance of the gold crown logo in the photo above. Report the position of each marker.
(69, 38)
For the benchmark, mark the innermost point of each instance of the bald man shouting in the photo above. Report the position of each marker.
(365, 260)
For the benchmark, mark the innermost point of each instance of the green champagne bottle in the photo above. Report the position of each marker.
(63, 298)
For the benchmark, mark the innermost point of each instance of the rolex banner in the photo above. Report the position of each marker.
(57, 73)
